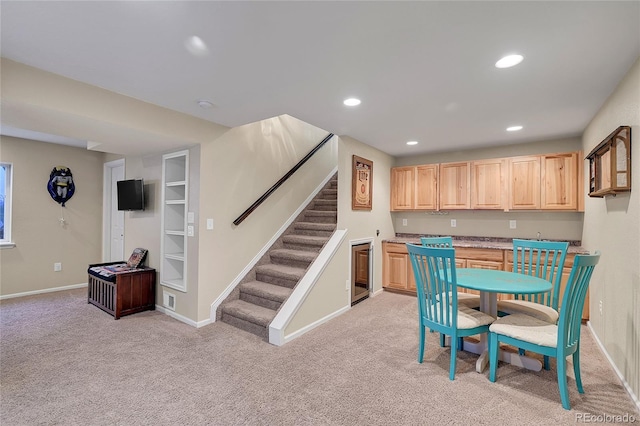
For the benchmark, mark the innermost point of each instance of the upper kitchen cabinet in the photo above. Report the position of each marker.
(559, 189)
(488, 184)
(414, 188)
(426, 192)
(403, 188)
(524, 183)
(610, 164)
(454, 184)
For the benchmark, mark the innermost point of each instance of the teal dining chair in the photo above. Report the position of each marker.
(550, 340)
(435, 273)
(542, 259)
(470, 300)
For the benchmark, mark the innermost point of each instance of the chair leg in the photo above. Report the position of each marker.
(421, 345)
(442, 340)
(576, 369)
(521, 352)
(454, 357)
(562, 381)
(545, 362)
(493, 356)
(460, 343)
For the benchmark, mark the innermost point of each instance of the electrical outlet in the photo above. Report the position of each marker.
(190, 231)
(453, 223)
(404, 222)
(57, 267)
(512, 224)
(600, 307)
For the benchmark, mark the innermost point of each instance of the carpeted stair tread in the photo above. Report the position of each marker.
(266, 291)
(310, 240)
(299, 255)
(283, 271)
(249, 312)
(315, 226)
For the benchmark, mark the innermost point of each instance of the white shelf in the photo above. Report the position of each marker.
(175, 190)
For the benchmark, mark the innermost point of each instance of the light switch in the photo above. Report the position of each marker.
(190, 231)
(404, 222)
(209, 224)
(191, 217)
(512, 224)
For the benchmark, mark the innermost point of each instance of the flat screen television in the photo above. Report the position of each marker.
(131, 194)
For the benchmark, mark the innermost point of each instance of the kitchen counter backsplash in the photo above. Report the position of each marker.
(477, 242)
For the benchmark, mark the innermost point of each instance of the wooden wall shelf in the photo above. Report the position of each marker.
(610, 164)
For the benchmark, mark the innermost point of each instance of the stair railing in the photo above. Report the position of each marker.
(282, 180)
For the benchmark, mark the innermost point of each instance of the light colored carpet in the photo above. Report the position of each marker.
(63, 361)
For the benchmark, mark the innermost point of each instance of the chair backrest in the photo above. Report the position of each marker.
(435, 273)
(573, 299)
(542, 259)
(442, 242)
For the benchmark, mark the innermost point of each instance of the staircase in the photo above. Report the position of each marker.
(256, 300)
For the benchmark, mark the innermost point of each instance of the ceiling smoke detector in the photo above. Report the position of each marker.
(204, 104)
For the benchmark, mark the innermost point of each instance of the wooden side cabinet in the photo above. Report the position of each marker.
(610, 164)
(129, 292)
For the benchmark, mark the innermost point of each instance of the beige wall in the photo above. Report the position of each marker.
(236, 169)
(40, 240)
(552, 225)
(143, 228)
(612, 225)
(330, 294)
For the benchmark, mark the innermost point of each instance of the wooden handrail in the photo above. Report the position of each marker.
(275, 186)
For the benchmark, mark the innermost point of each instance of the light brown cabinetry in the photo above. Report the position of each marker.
(402, 188)
(414, 188)
(480, 259)
(534, 182)
(559, 181)
(524, 183)
(454, 186)
(426, 190)
(488, 184)
(396, 268)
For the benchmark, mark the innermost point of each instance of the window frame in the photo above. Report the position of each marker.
(5, 241)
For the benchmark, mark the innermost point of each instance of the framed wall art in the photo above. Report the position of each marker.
(362, 184)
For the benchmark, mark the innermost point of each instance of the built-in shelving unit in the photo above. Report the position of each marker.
(175, 191)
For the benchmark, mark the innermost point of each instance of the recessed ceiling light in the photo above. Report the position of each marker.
(196, 46)
(352, 102)
(509, 61)
(514, 128)
(412, 143)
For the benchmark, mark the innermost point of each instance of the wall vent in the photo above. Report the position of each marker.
(169, 300)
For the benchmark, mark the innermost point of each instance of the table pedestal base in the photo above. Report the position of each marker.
(480, 348)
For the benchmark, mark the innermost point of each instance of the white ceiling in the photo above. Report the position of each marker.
(424, 70)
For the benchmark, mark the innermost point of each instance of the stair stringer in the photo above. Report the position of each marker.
(301, 291)
(248, 272)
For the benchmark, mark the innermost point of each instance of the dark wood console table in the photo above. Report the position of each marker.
(130, 292)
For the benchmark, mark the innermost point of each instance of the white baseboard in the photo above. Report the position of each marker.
(313, 325)
(182, 318)
(613, 365)
(227, 291)
(46, 290)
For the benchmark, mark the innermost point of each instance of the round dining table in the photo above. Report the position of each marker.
(490, 283)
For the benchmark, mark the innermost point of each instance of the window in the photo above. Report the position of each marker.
(5, 204)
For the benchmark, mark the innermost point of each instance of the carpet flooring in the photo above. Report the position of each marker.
(64, 362)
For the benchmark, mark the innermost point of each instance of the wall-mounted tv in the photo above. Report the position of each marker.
(131, 194)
